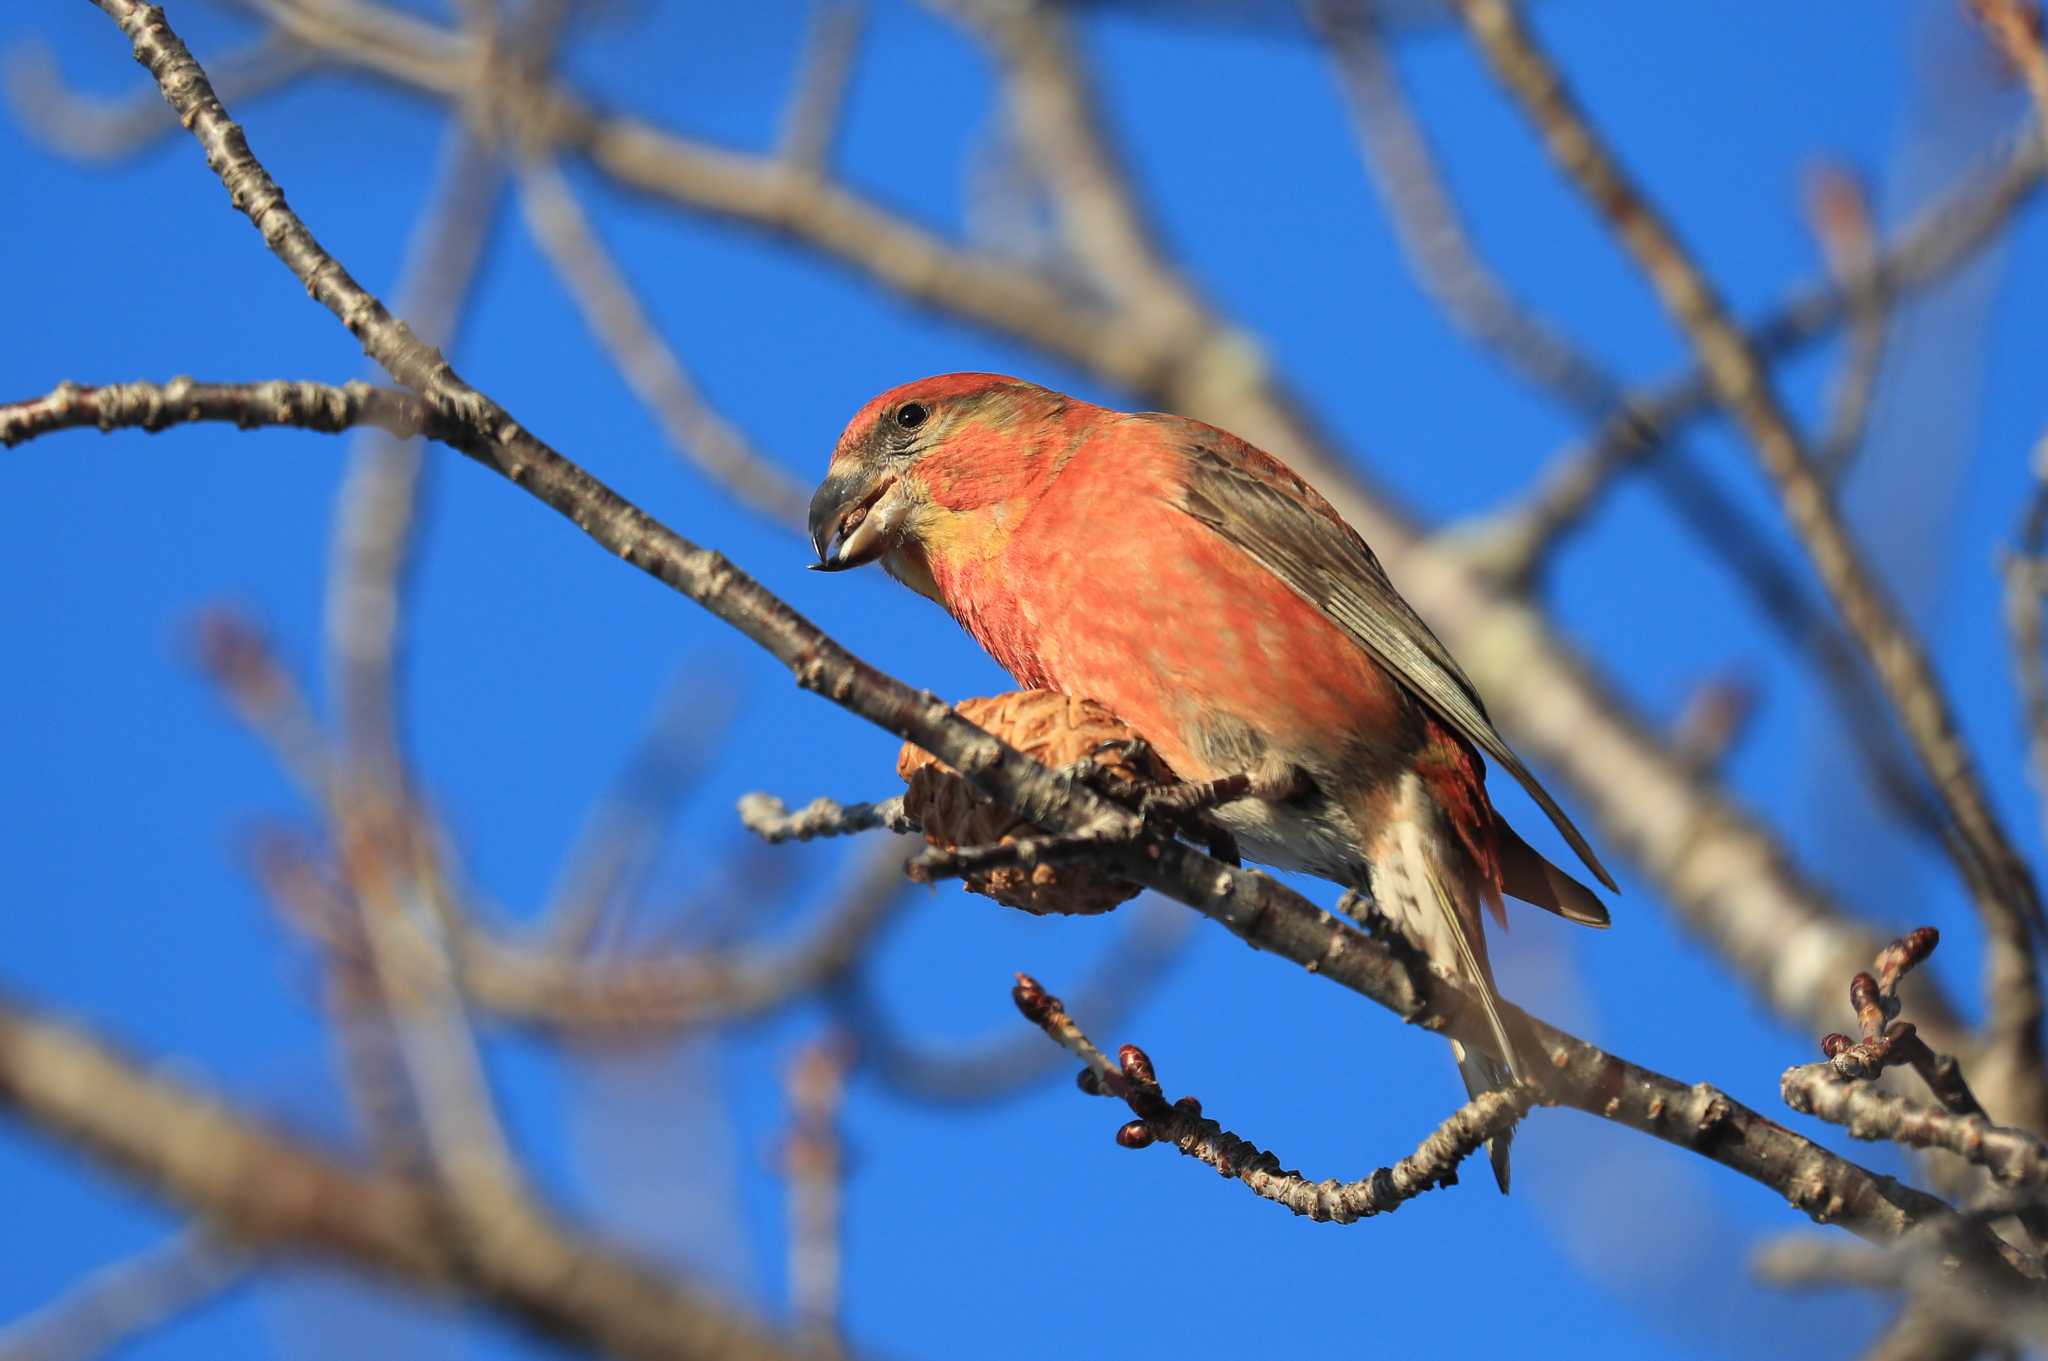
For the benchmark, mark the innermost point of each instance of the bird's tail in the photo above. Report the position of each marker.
(1424, 880)
(1484, 1073)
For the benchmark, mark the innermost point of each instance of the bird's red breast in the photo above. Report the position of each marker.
(1078, 572)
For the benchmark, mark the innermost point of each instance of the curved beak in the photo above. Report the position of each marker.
(855, 517)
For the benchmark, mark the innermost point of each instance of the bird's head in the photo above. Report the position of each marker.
(925, 467)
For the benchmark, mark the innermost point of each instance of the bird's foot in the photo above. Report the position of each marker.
(1360, 906)
(1270, 782)
(1163, 807)
(1185, 807)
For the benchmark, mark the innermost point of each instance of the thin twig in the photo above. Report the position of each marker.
(2016, 26)
(1888, 1040)
(376, 510)
(1006, 1064)
(1950, 1293)
(769, 818)
(1429, 228)
(609, 861)
(271, 1193)
(271, 702)
(814, 1160)
(2013, 1156)
(394, 874)
(2026, 589)
(237, 657)
(1949, 233)
(615, 316)
(117, 1304)
(1961, 1125)
(398, 45)
(1133, 1079)
(90, 129)
(631, 996)
(324, 407)
(824, 72)
(1840, 216)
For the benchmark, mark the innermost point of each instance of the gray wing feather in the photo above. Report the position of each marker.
(1330, 566)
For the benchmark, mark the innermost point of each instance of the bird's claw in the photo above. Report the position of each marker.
(1173, 810)
(1132, 751)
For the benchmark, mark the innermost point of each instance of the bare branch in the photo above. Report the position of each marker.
(89, 129)
(824, 72)
(768, 818)
(2016, 26)
(2007, 897)
(2013, 1156)
(1949, 233)
(630, 996)
(152, 406)
(119, 1303)
(375, 514)
(390, 42)
(1842, 222)
(814, 1160)
(613, 851)
(1429, 228)
(614, 315)
(269, 1193)
(2026, 588)
(1181, 1123)
(1951, 1296)
(1006, 1064)
(1060, 129)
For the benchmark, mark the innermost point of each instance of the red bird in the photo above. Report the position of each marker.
(1223, 609)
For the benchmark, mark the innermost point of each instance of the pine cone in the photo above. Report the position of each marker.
(1058, 731)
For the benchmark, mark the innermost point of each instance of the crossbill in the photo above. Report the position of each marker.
(1223, 609)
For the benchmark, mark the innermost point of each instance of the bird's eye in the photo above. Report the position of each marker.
(912, 414)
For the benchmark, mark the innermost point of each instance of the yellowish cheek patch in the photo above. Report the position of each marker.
(974, 536)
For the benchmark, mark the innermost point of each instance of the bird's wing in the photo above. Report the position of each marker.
(1256, 503)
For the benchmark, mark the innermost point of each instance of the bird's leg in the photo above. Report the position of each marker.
(1132, 754)
(1132, 751)
(1185, 806)
(1359, 905)
(1271, 781)
(1102, 779)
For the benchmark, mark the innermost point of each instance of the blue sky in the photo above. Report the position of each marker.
(128, 795)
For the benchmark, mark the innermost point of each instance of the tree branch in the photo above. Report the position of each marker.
(126, 1300)
(1002, 1066)
(2013, 1156)
(1181, 1123)
(269, 1193)
(375, 515)
(2007, 898)
(153, 407)
(614, 315)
